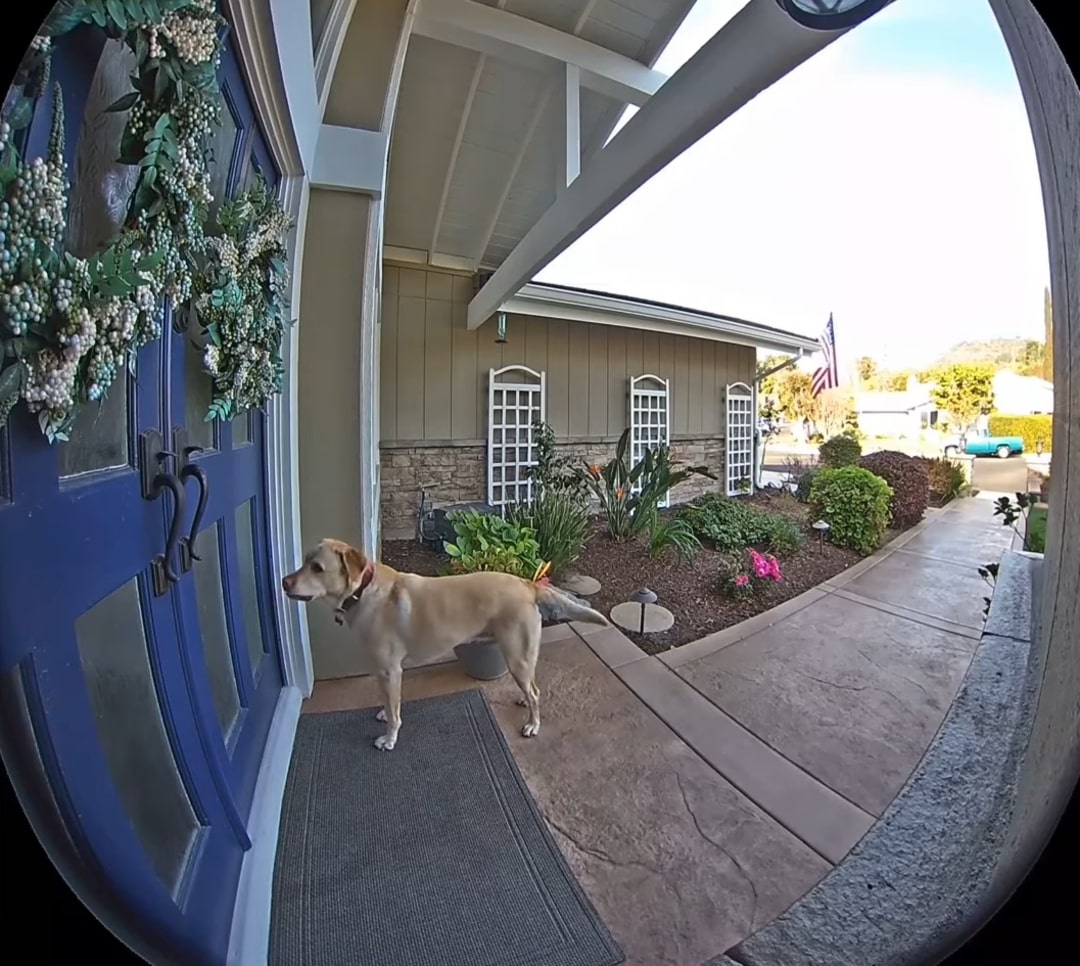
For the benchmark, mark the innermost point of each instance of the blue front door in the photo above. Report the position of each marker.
(138, 644)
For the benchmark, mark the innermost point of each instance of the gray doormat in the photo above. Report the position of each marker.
(433, 854)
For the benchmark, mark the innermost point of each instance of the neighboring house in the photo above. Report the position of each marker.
(1022, 395)
(896, 414)
(590, 363)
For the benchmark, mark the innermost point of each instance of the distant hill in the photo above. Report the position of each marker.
(998, 352)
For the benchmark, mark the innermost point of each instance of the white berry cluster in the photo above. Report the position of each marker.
(195, 38)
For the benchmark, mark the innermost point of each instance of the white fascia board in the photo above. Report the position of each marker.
(629, 314)
(351, 159)
(757, 47)
(497, 33)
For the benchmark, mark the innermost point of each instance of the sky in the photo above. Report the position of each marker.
(890, 180)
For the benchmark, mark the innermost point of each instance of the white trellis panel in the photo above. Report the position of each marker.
(739, 446)
(650, 398)
(516, 396)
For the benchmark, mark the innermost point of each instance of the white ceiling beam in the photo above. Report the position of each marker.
(329, 47)
(523, 149)
(519, 40)
(569, 156)
(757, 47)
(351, 159)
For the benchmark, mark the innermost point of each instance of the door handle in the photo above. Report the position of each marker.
(194, 470)
(163, 571)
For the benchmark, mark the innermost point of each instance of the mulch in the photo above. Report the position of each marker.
(691, 591)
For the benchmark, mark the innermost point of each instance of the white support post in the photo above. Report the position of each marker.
(757, 47)
(570, 156)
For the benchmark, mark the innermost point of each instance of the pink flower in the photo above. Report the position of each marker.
(743, 580)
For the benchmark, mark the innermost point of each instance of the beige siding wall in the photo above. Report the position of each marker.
(434, 371)
(328, 427)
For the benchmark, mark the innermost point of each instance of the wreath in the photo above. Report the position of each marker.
(67, 324)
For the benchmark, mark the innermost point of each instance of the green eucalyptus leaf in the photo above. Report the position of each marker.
(125, 103)
(116, 11)
(97, 12)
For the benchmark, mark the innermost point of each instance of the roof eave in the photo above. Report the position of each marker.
(627, 312)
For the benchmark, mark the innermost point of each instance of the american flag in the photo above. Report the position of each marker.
(826, 376)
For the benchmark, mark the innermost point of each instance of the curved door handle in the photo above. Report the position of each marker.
(193, 470)
(169, 481)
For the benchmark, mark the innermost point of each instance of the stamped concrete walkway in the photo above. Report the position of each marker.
(700, 793)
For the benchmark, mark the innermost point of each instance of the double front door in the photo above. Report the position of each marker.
(139, 666)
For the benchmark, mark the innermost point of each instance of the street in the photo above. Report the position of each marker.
(989, 473)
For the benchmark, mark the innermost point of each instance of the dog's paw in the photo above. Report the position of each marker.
(385, 743)
(530, 730)
(381, 716)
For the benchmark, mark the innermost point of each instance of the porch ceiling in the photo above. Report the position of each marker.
(480, 132)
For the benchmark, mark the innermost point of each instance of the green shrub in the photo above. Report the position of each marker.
(485, 541)
(673, 533)
(554, 472)
(842, 450)
(855, 504)
(802, 486)
(560, 520)
(731, 525)
(909, 481)
(946, 478)
(1030, 429)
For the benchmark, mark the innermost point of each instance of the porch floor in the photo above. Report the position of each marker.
(699, 793)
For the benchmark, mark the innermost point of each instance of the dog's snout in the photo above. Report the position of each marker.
(286, 583)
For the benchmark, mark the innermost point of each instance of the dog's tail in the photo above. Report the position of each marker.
(558, 605)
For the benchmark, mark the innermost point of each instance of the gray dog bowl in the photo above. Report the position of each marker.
(481, 659)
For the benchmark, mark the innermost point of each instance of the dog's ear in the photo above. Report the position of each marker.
(354, 564)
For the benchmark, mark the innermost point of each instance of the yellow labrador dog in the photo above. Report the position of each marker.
(395, 615)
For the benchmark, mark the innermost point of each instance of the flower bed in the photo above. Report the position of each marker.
(694, 590)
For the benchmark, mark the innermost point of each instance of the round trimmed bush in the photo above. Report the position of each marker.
(909, 480)
(842, 450)
(855, 504)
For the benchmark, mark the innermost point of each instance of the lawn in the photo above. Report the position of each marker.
(1036, 529)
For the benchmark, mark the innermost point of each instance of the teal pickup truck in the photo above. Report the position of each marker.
(979, 442)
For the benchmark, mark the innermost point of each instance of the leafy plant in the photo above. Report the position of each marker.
(560, 522)
(989, 573)
(629, 495)
(909, 481)
(855, 504)
(1019, 511)
(1033, 429)
(803, 485)
(552, 471)
(963, 390)
(744, 573)
(731, 525)
(945, 477)
(673, 533)
(486, 541)
(842, 450)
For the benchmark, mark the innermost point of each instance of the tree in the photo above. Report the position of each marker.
(1032, 359)
(964, 390)
(1048, 337)
(768, 384)
(895, 381)
(794, 395)
(835, 408)
(868, 371)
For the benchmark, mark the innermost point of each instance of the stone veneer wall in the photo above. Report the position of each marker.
(456, 471)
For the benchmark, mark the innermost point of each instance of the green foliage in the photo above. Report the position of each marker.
(769, 383)
(855, 504)
(673, 533)
(559, 520)
(1035, 534)
(842, 450)
(629, 495)
(909, 481)
(485, 541)
(731, 524)
(1031, 429)
(554, 472)
(803, 485)
(964, 390)
(794, 394)
(945, 477)
(1021, 511)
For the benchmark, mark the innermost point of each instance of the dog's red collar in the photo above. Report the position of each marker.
(349, 602)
